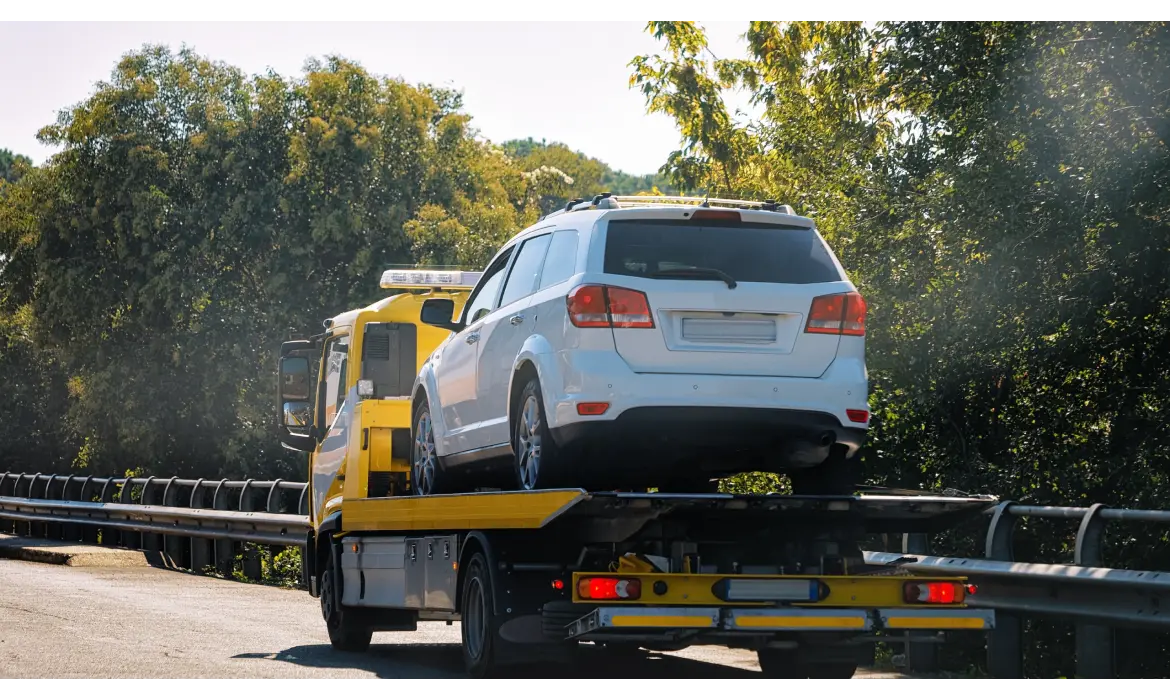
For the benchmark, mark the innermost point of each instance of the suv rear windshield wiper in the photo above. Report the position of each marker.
(699, 273)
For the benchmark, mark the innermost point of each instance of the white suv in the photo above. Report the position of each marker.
(639, 342)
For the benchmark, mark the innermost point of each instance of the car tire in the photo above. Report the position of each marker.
(537, 461)
(346, 632)
(426, 474)
(836, 476)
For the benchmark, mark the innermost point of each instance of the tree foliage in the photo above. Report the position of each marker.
(999, 191)
(193, 217)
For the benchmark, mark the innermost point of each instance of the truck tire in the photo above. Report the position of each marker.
(346, 632)
(537, 461)
(836, 476)
(786, 663)
(479, 627)
(779, 663)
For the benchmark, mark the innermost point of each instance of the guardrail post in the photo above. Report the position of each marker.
(5, 525)
(225, 553)
(1095, 649)
(172, 545)
(53, 531)
(33, 529)
(253, 570)
(920, 657)
(303, 509)
(107, 536)
(129, 538)
(200, 546)
(71, 491)
(86, 494)
(151, 542)
(1005, 643)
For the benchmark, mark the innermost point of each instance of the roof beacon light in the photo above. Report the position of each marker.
(429, 279)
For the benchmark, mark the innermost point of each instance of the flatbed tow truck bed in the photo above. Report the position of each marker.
(534, 574)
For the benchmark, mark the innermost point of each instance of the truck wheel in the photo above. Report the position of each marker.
(538, 463)
(836, 476)
(479, 626)
(425, 472)
(836, 670)
(779, 663)
(345, 632)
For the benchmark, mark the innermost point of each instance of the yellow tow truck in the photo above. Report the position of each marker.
(534, 575)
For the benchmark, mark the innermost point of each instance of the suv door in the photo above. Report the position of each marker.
(503, 334)
(456, 371)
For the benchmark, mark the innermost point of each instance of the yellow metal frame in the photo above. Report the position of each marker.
(474, 511)
(696, 590)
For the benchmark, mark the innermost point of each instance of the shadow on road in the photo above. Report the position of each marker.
(446, 661)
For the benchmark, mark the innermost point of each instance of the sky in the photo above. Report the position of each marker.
(566, 82)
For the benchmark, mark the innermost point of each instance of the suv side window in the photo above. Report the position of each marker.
(483, 299)
(522, 279)
(561, 261)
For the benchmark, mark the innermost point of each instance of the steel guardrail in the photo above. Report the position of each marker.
(221, 514)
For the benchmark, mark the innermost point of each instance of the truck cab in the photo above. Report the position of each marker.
(344, 395)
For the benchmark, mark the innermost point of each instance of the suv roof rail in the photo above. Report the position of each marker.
(680, 200)
(608, 200)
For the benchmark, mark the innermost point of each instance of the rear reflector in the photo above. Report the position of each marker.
(857, 415)
(837, 314)
(600, 306)
(606, 588)
(932, 593)
(592, 409)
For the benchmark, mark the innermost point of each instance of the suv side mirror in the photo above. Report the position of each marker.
(296, 407)
(438, 312)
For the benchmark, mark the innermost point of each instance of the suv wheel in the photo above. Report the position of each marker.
(424, 461)
(538, 463)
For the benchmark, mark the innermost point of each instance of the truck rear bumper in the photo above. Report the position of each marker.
(619, 619)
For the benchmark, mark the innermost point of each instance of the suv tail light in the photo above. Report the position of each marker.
(837, 314)
(601, 306)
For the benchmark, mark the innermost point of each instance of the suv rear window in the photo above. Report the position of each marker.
(746, 252)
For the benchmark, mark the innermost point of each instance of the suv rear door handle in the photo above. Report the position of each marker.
(516, 320)
(473, 339)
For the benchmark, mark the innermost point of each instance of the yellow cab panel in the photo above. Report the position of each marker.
(370, 358)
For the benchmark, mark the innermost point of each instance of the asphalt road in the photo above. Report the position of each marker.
(81, 622)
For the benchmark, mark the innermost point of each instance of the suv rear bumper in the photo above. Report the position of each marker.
(714, 439)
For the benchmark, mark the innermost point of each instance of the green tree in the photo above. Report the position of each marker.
(195, 215)
(999, 192)
(12, 165)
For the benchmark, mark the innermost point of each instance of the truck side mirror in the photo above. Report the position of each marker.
(438, 312)
(296, 407)
(294, 379)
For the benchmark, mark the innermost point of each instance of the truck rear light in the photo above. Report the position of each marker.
(600, 306)
(607, 588)
(837, 314)
(934, 593)
(857, 415)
